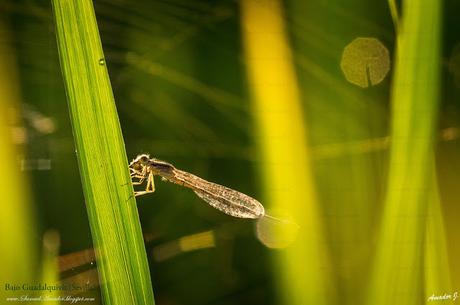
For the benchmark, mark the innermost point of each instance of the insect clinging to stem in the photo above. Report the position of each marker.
(225, 199)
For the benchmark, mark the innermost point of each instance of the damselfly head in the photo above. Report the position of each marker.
(142, 159)
(139, 162)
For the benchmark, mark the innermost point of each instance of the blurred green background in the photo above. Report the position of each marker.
(179, 72)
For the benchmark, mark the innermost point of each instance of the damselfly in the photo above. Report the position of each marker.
(229, 201)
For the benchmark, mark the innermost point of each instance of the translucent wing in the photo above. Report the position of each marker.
(229, 201)
(233, 203)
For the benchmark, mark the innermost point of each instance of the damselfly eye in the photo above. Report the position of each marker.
(144, 160)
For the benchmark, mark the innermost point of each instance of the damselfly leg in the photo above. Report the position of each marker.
(150, 188)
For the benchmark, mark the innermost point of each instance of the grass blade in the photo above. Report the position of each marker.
(284, 156)
(18, 249)
(398, 268)
(117, 236)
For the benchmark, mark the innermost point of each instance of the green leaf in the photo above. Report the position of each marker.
(398, 266)
(18, 249)
(113, 217)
